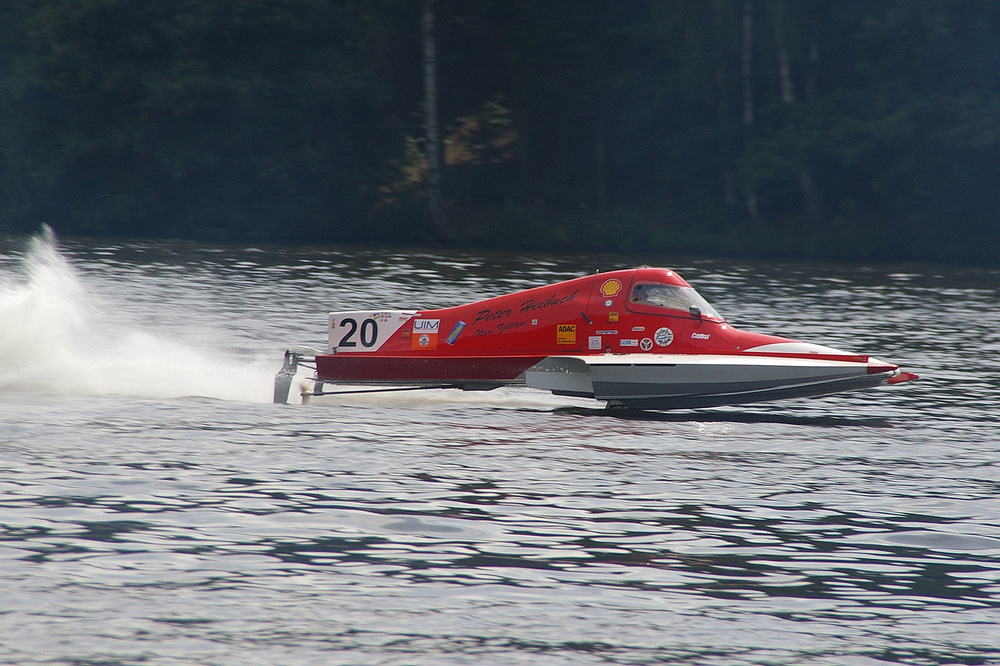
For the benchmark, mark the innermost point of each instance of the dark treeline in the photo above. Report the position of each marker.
(827, 128)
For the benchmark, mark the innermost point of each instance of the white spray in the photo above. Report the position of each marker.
(55, 337)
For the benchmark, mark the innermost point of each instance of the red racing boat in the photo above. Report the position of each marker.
(640, 338)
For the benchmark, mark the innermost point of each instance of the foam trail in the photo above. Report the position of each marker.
(55, 337)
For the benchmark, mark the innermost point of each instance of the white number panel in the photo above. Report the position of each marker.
(364, 331)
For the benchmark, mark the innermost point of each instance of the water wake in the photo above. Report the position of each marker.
(56, 337)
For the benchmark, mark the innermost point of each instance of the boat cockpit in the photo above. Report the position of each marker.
(655, 297)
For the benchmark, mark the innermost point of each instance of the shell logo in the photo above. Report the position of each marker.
(611, 287)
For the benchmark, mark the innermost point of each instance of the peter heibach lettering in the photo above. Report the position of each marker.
(489, 315)
(553, 299)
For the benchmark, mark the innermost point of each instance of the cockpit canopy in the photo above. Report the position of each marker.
(658, 295)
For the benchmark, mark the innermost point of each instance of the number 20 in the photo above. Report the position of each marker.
(369, 333)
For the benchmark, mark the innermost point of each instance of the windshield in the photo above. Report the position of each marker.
(671, 297)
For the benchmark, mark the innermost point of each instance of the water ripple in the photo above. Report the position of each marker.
(503, 527)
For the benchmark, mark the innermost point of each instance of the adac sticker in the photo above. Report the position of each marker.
(611, 287)
(425, 333)
(566, 334)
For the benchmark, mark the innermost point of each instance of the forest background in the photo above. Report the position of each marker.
(834, 129)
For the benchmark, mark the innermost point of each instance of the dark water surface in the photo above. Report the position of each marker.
(155, 508)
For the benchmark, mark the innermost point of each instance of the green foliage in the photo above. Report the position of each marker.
(195, 118)
(832, 128)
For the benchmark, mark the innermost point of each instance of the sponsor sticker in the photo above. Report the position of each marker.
(611, 287)
(594, 342)
(455, 332)
(425, 333)
(566, 334)
(701, 336)
(628, 342)
(645, 344)
(663, 336)
(612, 317)
(426, 325)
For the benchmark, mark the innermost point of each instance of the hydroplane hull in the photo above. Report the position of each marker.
(639, 338)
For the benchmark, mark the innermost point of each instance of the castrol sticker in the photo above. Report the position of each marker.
(663, 336)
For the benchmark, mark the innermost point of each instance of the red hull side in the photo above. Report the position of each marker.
(457, 369)
(639, 337)
(626, 312)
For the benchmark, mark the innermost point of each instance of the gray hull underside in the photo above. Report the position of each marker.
(677, 383)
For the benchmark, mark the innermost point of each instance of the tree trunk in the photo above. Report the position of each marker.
(810, 195)
(722, 110)
(748, 111)
(433, 136)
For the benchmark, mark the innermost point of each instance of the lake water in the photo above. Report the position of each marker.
(156, 508)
